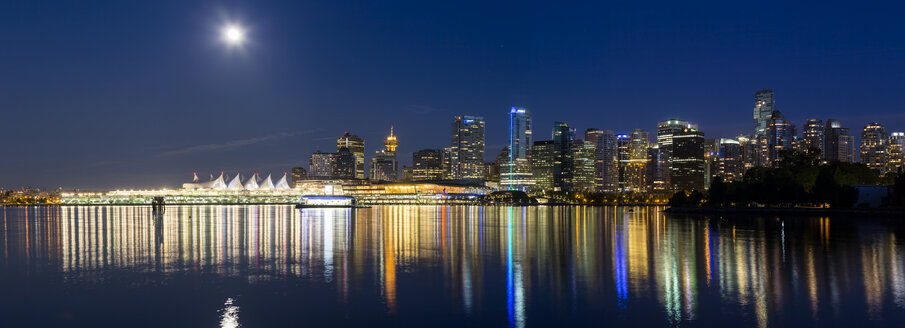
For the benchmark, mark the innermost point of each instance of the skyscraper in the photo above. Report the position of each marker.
(562, 156)
(299, 174)
(874, 147)
(542, 158)
(606, 174)
(356, 146)
(763, 110)
(583, 159)
(838, 143)
(896, 151)
(731, 168)
(812, 136)
(384, 166)
(467, 153)
(343, 164)
(781, 134)
(748, 147)
(427, 165)
(633, 159)
(320, 165)
(665, 131)
(687, 170)
(515, 174)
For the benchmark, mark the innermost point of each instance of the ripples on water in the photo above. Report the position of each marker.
(443, 266)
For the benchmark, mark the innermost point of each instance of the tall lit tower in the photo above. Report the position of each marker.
(896, 151)
(384, 166)
(838, 143)
(516, 173)
(356, 146)
(812, 136)
(874, 147)
(763, 110)
(466, 156)
(391, 143)
(606, 175)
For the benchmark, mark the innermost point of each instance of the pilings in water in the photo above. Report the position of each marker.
(157, 204)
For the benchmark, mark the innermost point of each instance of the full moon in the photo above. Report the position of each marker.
(233, 35)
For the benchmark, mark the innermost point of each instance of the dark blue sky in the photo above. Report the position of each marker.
(125, 94)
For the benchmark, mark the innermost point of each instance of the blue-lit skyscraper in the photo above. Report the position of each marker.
(516, 173)
(562, 156)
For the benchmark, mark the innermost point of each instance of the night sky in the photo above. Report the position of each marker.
(112, 94)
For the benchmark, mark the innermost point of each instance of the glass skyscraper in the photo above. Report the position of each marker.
(515, 174)
(763, 110)
(874, 147)
(606, 174)
(467, 152)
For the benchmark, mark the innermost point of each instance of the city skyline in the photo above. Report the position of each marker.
(145, 97)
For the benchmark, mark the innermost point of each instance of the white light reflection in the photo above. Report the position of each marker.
(229, 317)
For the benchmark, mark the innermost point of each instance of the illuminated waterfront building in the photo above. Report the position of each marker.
(343, 164)
(763, 110)
(812, 136)
(542, 158)
(781, 134)
(623, 157)
(298, 175)
(654, 167)
(606, 174)
(356, 146)
(896, 151)
(583, 160)
(320, 165)
(730, 166)
(467, 152)
(687, 169)
(384, 166)
(748, 148)
(838, 143)
(633, 160)
(665, 131)
(515, 173)
(427, 165)
(562, 156)
(874, 147)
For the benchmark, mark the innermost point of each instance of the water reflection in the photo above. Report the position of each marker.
(515, 265)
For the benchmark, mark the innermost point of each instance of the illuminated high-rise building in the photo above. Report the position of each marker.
(711, 160)
(467, 153)
(633, 160)
(665, 130)
(731, 166)
(606, 174)
(427, 165)
(343, 164)
(384, 166)
(812, 136)
(763, 110)
(687, 169)
(896, 151)
(542, 158)
(748, 147)
(515, 174)
(356, 146)
(781, 135)
(838, 143)
(320, 165)
(299, 174)
(562, 156)
(874, 147)
(583, 160)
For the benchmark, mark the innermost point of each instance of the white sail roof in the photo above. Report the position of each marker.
(235, 184)
(252, 183)
(266, 184)
(282, 184)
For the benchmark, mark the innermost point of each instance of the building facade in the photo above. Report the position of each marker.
(875, 147)
(687, 169)
(515, 173)
(427, 165)
(812, 136)
(896, 151)
(764, 106)
(781, 136)
(838, 143)
(731, 166)
(665, 131)
(562, 156)
(467, 151)
(606, 174)
(320, 165)
(583, 163)
(384, 166)
(542, 165)
(356, 145)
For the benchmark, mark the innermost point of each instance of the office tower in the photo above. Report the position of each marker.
(874, 147)
(781, 134)
(687, 169)
(665, 130)
(838, 143)
(515, 174)
(731, 167)
(711, 160)
(427, 165)
(542, 158)
(448, 154)
(299, 174)
(812, 136)
(562, 156)
(320, 165)
(356, 145)
(763, 110)
(606, 174)
(623, 158)
(467, 157)
(748, 148)
(896, 151)
(343, 164)
(499, 164)
(583, 163)
(654, 162)
(384, 166)
(633, 159)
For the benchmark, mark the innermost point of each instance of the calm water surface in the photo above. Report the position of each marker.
(266, 266)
